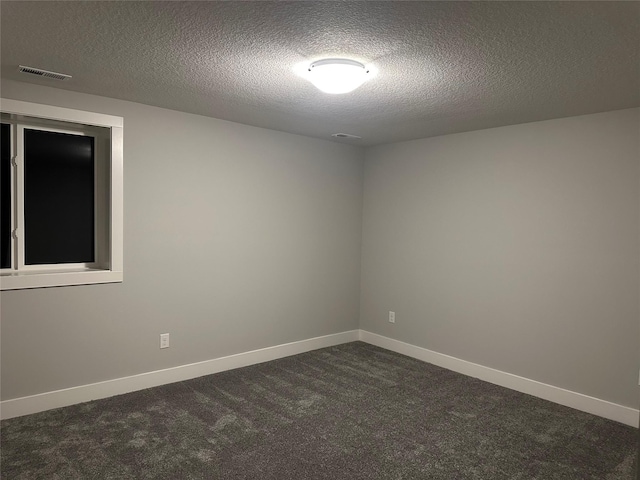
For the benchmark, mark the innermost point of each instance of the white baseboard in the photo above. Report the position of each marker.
(585, 403)
(70, 396)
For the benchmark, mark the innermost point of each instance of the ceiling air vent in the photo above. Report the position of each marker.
(345, 135)
(43, 73)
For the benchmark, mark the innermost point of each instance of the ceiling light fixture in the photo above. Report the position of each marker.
(337, 75)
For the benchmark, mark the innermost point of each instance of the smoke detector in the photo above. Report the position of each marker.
(43, 73)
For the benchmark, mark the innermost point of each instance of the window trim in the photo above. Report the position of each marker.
(49, 276)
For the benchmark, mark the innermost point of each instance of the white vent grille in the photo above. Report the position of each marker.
(345, 135)
(43, 73)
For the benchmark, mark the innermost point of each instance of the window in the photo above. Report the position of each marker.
(61, 197)
(5, 192)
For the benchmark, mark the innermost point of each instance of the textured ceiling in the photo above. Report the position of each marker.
(443, 67)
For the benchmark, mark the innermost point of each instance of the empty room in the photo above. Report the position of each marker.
(320, 240)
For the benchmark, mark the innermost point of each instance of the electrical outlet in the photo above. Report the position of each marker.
(392, 317)
(164, 340)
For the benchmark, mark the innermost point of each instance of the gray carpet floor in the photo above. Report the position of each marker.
(353, 411)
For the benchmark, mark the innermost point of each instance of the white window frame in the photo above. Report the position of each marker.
(18, 165)
(110, 269)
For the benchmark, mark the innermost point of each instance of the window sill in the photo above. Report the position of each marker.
(57, 278)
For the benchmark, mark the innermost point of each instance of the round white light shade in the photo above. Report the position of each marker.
(337, 75)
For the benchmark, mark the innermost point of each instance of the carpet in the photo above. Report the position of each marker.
(353, 411)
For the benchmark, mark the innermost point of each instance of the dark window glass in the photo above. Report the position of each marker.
(58, 198)
(5, 197)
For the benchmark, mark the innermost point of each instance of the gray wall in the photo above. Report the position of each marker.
(516, 248)
(236, 238)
